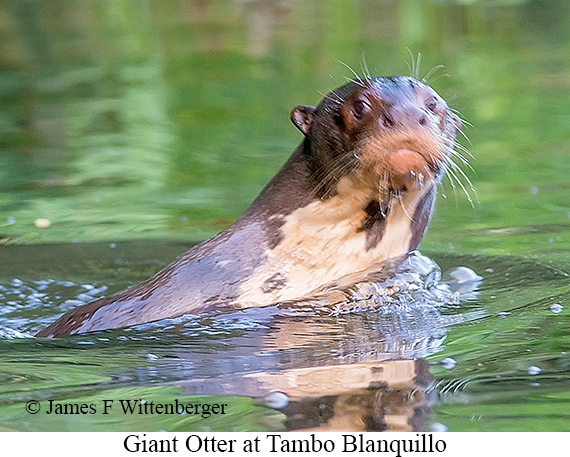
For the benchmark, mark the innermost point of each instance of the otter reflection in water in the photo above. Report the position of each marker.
(358, 190)
(361, 371)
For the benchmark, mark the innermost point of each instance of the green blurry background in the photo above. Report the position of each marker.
(130, 119)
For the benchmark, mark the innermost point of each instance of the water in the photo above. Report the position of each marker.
(138, 130)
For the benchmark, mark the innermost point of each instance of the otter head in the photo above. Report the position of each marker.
(395, 134)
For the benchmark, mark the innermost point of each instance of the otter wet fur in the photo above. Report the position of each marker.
(359, 189)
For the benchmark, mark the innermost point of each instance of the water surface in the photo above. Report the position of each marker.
(139, 128)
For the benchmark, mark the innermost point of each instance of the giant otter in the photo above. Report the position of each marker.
(358, 190)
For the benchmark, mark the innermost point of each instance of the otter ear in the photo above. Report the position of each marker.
(302, 116)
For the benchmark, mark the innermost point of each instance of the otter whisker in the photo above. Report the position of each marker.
(458, 152)
(442, 164)
(410, 64)
(430, 73)
(364, 67)
(414, 68)
(399, 196)
(331, 96)
(357, 78)
(383, 187)
(418, 65)
(348, 79)
(464, 122)
(410, 70)
(352, 70)
(441, 189)
(337, 170)
(451, 172)
(464, 135)
(339, 166)
(465, 177)
(458, 114)
(451, 177)
(463, 149)
(438, 77)
(463, 159)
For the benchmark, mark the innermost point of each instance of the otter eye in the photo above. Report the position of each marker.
(431, 104)
(360, 108)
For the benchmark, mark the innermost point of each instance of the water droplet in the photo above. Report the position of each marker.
(276, 400)
(556, 308)
(533, 370)
(84, 297)
(152, 357)
(437, 427)
(448, 363)
(10, 220)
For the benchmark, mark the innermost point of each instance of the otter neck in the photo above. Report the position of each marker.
(317, 240)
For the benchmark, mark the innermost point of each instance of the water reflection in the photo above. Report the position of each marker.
(393, 395)
(355, 370)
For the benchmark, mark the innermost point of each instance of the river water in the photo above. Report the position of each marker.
(131, 130)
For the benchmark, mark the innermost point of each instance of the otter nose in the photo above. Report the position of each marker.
(406, 116)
